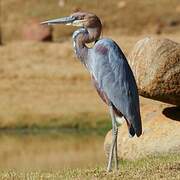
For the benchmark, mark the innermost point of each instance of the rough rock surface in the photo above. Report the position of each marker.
(161, 132)
(35, 32)
(156, 66)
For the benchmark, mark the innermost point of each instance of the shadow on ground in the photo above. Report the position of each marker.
(172, 113)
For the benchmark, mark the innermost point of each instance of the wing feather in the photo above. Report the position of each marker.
(114, 77)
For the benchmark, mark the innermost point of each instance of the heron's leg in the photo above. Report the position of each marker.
(115, 147)
(114, 141)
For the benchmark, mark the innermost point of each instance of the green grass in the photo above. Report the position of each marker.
(165, 166)
(82, 123)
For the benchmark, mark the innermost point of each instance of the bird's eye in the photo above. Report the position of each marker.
(81, 17)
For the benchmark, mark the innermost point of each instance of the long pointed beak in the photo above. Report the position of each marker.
(65, 20)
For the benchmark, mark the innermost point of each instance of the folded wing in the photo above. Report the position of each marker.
(115, 79)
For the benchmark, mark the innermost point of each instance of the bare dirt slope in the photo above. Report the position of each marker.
(43, 82)
(123, 17)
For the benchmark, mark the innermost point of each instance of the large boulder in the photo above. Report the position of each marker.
(33, 31)
(161, 132)
(156, 66)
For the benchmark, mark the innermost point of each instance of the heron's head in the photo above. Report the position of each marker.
(81, 19)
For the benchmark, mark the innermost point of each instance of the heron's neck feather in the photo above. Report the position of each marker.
(80, 38)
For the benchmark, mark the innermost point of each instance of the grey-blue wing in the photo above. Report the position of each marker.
(114, 76)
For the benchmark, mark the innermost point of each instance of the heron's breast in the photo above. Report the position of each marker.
(101, 93)
(101, 49)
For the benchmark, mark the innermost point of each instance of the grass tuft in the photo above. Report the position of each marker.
(165, 166)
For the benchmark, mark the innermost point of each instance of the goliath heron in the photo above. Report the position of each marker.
(110, 73)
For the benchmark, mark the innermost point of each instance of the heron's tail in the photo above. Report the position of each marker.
(138, 128)
(135, 127)
(131, 131)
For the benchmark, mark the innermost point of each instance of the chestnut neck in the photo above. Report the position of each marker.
(83, 36)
